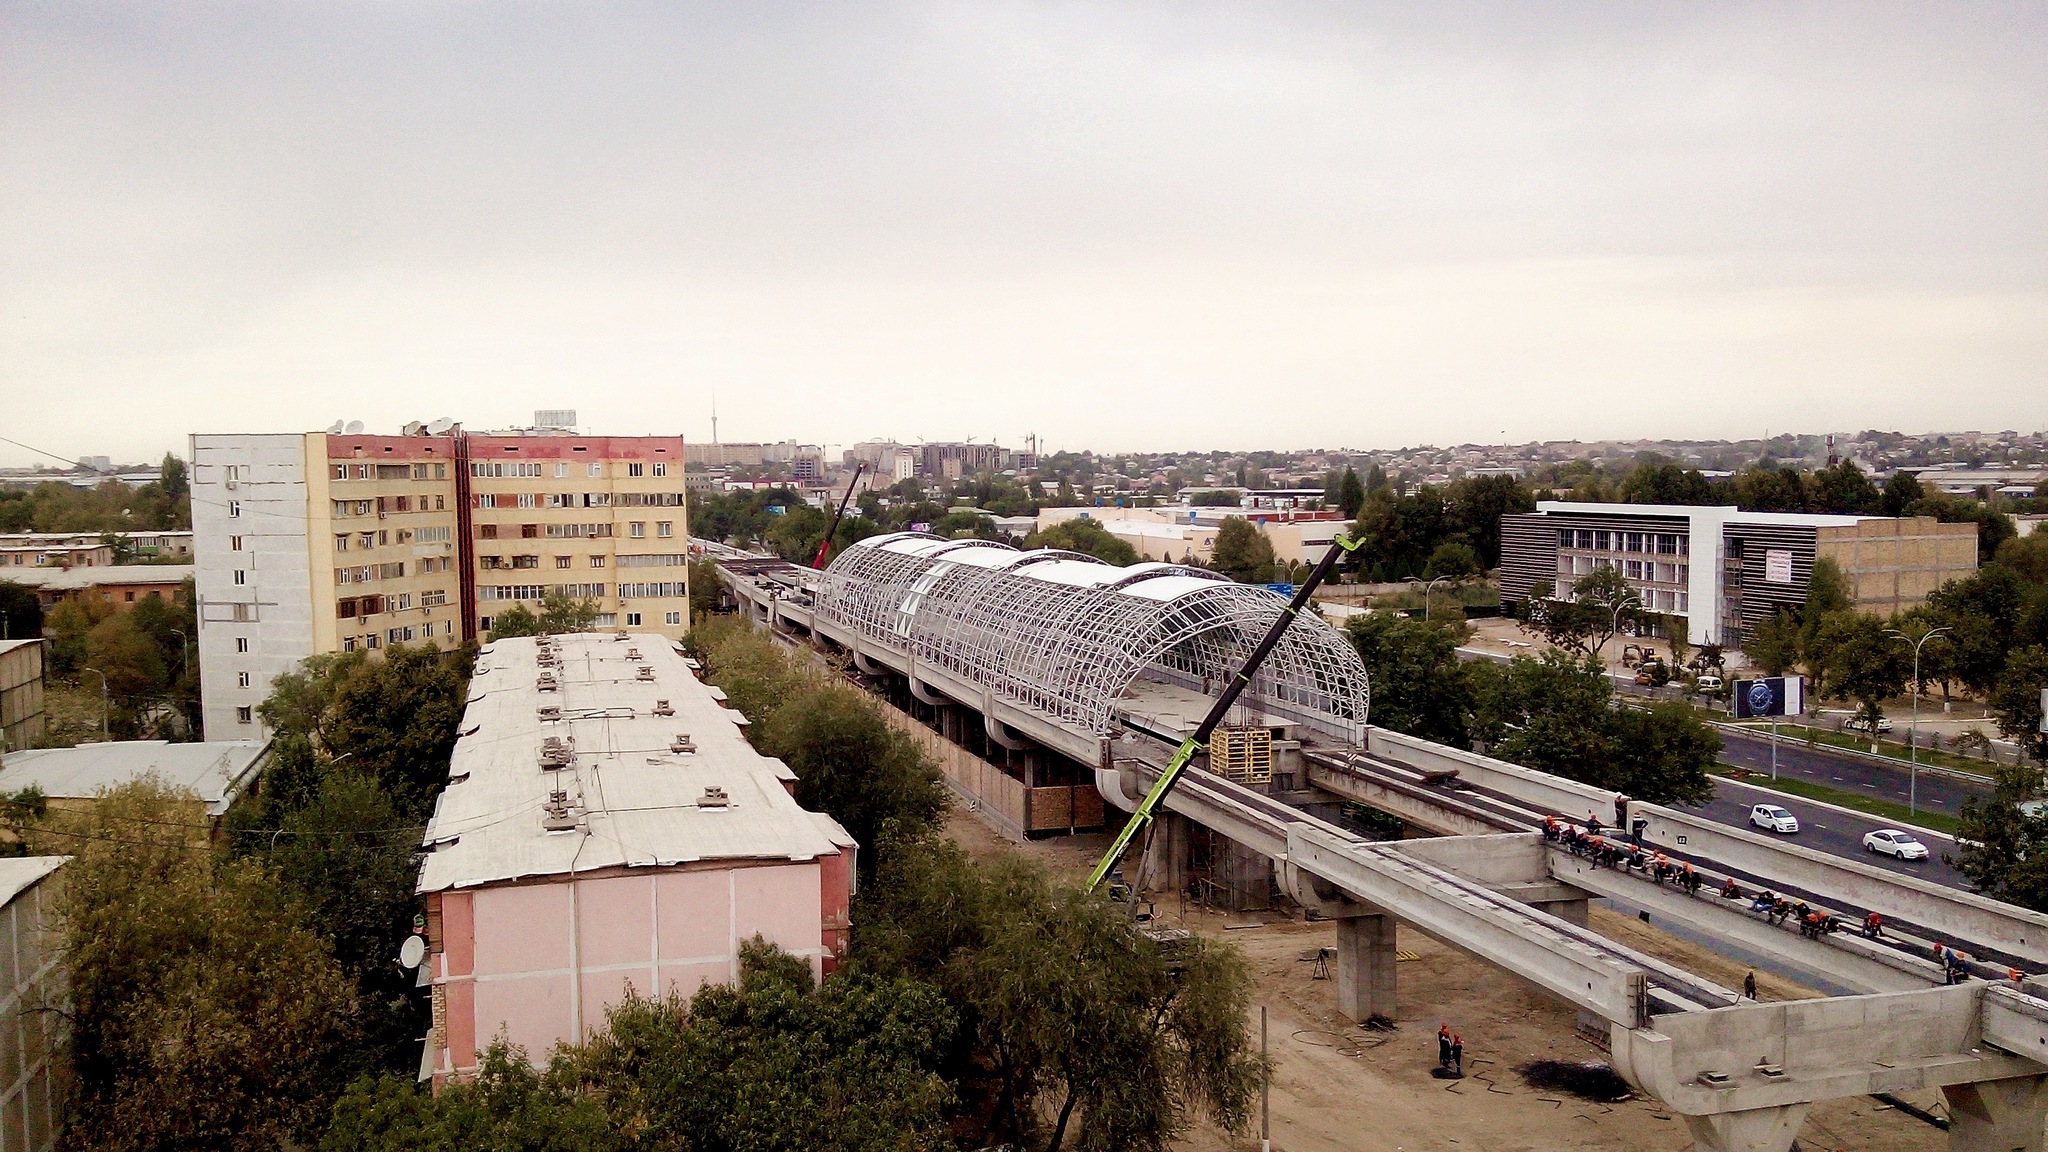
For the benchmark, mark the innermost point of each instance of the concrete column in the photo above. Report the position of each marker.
(1166, 854)
(1569, 911)
(1755, 1130)
(1366, 983)
(1997, 1115)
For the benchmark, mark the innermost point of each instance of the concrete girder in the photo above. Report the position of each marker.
(1435, 813)
(1946, 913)
(1538, 791)
(1996, 1115)
(1758, 1130)
(1755, 1056)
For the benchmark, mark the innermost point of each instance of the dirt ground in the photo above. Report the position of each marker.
(1340, 1087)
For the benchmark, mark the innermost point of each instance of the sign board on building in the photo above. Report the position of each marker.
(1777, 566)
(1770, 696)
(1286, 590)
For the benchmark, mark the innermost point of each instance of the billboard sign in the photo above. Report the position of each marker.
(1777, 566)
(1770, 696)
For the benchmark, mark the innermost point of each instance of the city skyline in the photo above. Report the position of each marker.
(1120, 230)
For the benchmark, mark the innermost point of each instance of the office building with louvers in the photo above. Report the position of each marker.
(342, 542)
(1721, 570)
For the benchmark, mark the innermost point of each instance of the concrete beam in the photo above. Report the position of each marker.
(1947, 913)
(1996, 1115)
(1435, 813)
(1538, 791)
(1755, 1056)
(1761, 1130)
(1544, 951)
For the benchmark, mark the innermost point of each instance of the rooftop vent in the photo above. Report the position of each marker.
(548, 683)
(632, 653)
(646, 673)
(663, 708)
(714, 797)
(556, 753)
(555, 815)
(621, 634)
(549, 712)
(682, 743)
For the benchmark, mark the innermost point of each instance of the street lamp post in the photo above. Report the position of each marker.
(1425, 592)
(103, 699)
(1913, 773)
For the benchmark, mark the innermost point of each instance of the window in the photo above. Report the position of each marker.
(438, 535)
(529, 531)
(1632, 569)
(596, 469)
(341, 471)
(348, 643)
(435, 598)
(440, 503)
(241, 679)
(606, 620)
(383, 536)
(526, 561)
(646, 591)
(637, 530)
(419, 471)
(564, 561)
(664, 528)
(597, 561)
(233, 472)
(234, 508)
(131, 595)
(341, 541)
(1603, 541)
(401, 504)
(362, 471)
(366, 540)
(370, 641)
(632, 618)
(393, 472)
(234, 543)
(672, 618)
(636, 468)
(241, 576)
(440, 473)
(561, 469)
(345, 607)
(502, 468)
(404, 602)
(654, 560)
(661, 467)
(483, 623)
(245, 714)
(526, 500)
(580, 591)
(487, 531)
(241, 643)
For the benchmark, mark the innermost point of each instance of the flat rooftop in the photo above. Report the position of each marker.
(215, 770)
(632, 798)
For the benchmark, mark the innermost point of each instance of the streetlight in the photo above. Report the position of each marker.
(1614, 622)
(103, 699)
(1425, 591)
(1913, 787)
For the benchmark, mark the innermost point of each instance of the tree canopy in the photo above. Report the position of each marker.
(1086, 536)
(1243, 553)
(1559, 715)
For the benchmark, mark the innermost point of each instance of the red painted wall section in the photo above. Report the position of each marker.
(390, 448)
(458, 932)
(835, 897)
(576, 448)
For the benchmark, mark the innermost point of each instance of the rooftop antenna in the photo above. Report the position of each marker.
(714, 414)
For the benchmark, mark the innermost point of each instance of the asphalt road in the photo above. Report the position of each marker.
(1830, 830)
(1941, 794)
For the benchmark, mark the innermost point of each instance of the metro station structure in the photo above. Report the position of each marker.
(1074, 665)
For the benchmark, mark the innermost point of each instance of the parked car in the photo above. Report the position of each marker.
(1892, 842)
(1772, 818)
(1707, 683)
(1859, 724)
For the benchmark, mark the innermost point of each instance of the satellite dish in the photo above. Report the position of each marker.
(335, 430)
(440, 426)
(412, 428)
(412, 951)
(355, 428)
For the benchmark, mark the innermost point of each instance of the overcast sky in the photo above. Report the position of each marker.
(1118, 225)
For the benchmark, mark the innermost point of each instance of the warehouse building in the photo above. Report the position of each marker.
(608, 825)
(1722, 570)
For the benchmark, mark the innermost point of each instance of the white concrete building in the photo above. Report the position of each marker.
(252, 573)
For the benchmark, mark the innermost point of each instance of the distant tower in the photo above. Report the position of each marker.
(714, 415)
(1833, 459)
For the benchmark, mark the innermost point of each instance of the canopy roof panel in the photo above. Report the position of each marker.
(1065, 634)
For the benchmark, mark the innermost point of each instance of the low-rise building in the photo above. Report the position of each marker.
(608, 825)
(79, 549)
(215, 771)
(1722, 570)
(22, 721)
(33, 990)
(121, 585)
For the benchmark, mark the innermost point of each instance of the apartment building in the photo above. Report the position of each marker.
(344, 542)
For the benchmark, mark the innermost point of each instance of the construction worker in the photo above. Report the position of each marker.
(1731, 890)
(1873, 926)
(1458, 1054)
(1550, 828)
(1688, 879)
(1749, 985)
(1443, 1045)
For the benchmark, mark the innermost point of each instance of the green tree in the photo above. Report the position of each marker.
(1858, 659)
(1350, 494)
(1774, 643)
(2027, 556)
(1452, 558)
(21, 613)
(1994, 528)
(1085, 536)
(1475, 505)
(518, 620)
(2016, 700)
(395, 718)
(1419, 686)
(1901, 491)
(705, 589)
(133, 667)
(1601, 604)
(1827, 592)
(1074, 1027)
(560, 613)
(851, 764)
(187, 971)
(1844, 490)
(1242, 552)
(1770, 489)
(66, 627)
(2002, 850)
(1667, 484)
(172, 479)
(1557, 715)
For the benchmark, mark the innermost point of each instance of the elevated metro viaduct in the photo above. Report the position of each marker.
(1051, 649)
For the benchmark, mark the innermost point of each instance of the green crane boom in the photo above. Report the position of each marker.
(1149, 807)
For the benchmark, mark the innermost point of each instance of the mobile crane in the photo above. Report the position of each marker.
(825, 545)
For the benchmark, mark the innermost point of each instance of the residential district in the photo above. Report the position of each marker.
(533, 787)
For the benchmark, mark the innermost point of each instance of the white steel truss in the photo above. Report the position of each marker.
(1066, 635)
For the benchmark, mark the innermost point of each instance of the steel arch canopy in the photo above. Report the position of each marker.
(1066, 635)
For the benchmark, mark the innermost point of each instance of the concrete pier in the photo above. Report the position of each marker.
(1366, 984)
(1997, 1115)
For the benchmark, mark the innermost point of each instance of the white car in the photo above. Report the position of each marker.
(1859, 724)
(1708, 683)
(1893, 842)
(1772, 818)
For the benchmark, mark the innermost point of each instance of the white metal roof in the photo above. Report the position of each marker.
(18, 872)
(635, 800)
(216, 770)
(97, 576)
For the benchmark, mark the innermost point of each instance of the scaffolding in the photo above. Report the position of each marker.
(1065, 635)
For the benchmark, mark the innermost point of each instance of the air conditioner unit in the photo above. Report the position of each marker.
(230, 485)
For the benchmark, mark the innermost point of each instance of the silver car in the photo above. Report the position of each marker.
(1894, 843)
(1772, 818)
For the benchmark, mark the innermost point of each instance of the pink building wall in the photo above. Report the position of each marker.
(540, 962)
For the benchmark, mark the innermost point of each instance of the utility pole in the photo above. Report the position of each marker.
(104, 733)
(1913, 787)
(1265, 1091)
(1425, 591)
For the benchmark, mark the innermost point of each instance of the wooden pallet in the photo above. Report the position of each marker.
(1242, 755)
